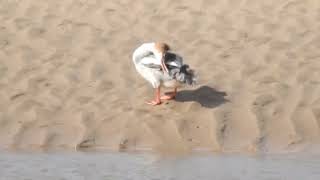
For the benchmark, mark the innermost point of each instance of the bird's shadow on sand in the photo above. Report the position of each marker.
(206, 96)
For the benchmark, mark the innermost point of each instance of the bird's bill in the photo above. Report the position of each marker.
(163, 65)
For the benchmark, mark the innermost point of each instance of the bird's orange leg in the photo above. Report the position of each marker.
(169, 95)
(157, 99)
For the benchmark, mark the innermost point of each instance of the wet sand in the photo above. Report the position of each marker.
(123, 166)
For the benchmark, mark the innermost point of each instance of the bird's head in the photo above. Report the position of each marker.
(162, 47)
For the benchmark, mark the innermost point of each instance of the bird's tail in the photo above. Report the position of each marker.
(185, 75)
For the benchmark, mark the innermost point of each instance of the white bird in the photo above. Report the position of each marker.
(157, 65)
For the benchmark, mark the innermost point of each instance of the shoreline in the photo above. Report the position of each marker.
(67, 78)
(142, 166)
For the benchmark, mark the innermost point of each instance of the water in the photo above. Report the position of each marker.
(123, 166)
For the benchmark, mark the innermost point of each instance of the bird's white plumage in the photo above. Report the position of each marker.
(150, 61)
(147, 61)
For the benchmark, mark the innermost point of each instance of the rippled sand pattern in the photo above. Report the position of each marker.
(67, 80)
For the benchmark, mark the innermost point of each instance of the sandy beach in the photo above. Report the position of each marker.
(67, 80)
